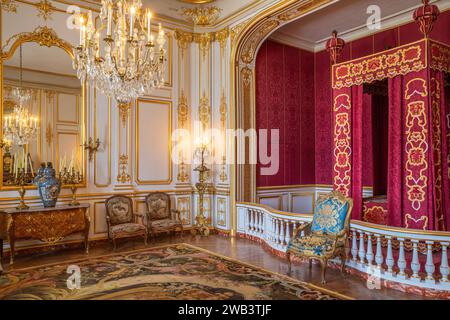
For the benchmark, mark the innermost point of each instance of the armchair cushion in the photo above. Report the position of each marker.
(165, 224)
(312, 245)
(129, 228)
(329, 215)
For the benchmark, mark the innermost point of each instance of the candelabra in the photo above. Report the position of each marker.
(71, 177)
(201, 226)
(21, 180)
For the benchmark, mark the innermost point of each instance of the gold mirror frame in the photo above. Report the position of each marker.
(47, 37)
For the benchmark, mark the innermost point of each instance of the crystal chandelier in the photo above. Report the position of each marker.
(133, 62)
(21, 126)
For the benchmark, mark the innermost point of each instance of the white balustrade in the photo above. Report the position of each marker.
(276, 229)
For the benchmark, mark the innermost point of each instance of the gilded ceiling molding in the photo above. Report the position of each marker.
(201, 16)
(296, 12)
(45, 9)
(8, 6)
(204, 41)
(183, 40)
(43, 35)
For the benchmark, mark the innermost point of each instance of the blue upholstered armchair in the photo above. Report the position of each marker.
(326, 236)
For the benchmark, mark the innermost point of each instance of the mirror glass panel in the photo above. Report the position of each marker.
(40, 81)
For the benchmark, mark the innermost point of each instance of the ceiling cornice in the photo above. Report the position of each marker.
(389, 22)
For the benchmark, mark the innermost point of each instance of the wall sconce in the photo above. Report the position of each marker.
(91, 146)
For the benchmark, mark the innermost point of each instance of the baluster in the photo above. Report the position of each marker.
(288, 232)
(277, 223)
(250, 220)
(390, 257)
(282, 238)
(369, 254)
(275, 235)
(429, 265)
(262, 227)
(444, 262)
(258, 221)
(415, 265)
(362, 252)
(354, 246)
(379, 254)
(401, 263)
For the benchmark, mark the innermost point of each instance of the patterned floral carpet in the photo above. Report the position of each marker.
(172, 272)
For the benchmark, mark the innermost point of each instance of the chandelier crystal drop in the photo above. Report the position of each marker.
(133, 61)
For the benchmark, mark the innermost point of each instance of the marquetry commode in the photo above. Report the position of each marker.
(49, 225)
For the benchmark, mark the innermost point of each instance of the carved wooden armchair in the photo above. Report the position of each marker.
(160, 216)
(122, 221)
(326, 236)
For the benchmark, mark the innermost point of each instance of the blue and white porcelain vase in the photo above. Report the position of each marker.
(48, 185)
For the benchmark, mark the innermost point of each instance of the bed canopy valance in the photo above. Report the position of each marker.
(418, 175)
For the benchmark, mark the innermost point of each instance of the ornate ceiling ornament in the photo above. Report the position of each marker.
(201, 16)
(197, 1)
(45, 9)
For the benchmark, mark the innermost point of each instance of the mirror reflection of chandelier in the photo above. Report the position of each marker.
(21, 126)
(133, 60)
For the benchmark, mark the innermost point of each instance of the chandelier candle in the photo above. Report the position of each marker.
(130, 64)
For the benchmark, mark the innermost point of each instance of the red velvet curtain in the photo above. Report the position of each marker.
(395, 152)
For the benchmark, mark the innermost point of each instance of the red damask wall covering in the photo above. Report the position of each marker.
(285, 101)
(293, 94)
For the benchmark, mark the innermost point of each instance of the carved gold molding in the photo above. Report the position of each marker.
(8, 6)
(43, 35)
(204, 41)
(204, 111)
(223, 121)
(45, 9)
(250, 46)
(222, 36)
(201, 16)
(124, 110)
(236, 30)
(182, 110)
(183, 40)
(123, 176)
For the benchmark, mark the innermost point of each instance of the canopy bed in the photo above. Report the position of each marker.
(410, 79)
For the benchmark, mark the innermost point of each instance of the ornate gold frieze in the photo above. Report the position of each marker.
(123, 176)
(247, 75)
(8, 6)
(204, 111)
(204, 41)
(299, 10)
(45, 9)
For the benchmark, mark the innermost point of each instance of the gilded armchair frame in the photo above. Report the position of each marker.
(173, 214)
(339, 240)
(134, 219)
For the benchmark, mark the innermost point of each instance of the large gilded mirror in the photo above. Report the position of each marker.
(43, 107)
